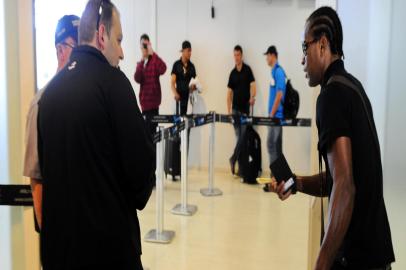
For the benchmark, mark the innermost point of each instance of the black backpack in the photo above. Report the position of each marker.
(291, 102)
(249, 158)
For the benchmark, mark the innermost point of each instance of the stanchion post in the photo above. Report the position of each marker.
(184, 208)
(211, 190)
(159, 235)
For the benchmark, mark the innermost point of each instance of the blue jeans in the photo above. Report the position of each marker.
(239, 131)
(274, 143)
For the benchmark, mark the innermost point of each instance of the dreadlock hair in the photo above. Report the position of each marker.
(325, 22)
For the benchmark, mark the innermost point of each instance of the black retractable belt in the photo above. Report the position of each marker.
(202, 119)
(166, 119)
(263, 121)
(16, 195)
(171, 131)
(266, 121)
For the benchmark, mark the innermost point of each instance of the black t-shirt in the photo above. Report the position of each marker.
(184, 73)
(239, 82)
(340, 112)
(97, 160)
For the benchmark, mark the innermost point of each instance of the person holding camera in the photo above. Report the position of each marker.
(147, 74)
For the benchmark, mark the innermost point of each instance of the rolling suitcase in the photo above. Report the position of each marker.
(172, 157)
(172, 154)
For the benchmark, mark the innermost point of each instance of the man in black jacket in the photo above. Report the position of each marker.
(95, 153)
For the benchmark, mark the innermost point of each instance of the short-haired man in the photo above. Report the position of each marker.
(66, 38)
(357, 234)
(182, 73)
(147, 74)
(96, 155)
(277, 92)
(240, 96)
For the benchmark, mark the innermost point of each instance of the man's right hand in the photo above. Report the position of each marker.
(177, 97)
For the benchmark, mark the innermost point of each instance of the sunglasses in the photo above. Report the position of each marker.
(99, 14)
(306, 45)
(72, 46)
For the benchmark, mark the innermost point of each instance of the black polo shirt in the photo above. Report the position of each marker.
(97, 162)
(184, 73)
(340, 112)
(239, 82)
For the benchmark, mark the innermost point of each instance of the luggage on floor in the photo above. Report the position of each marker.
(249, 158)
(172, 157)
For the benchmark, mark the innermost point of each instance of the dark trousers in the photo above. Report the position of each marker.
(274, 143)
(239, 133)
(181, 107)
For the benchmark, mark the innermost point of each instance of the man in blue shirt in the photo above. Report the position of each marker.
(275, 107)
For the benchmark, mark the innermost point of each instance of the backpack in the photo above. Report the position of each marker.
(249, 158)
(291, 102)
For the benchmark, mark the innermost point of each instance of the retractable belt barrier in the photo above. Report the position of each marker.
(15, 195)
(263, 121)
(196, 120)
(20, 195)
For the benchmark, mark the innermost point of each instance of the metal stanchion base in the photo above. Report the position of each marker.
(189, 210)
(208, 192)
(163, 238)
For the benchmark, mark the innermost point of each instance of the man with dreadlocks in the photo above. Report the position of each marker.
(357, 234)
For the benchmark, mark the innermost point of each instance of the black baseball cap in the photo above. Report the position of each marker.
(271, 50)
(67, 27)
(186, 45)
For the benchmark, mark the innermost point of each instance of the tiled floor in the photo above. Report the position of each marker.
(243, 229)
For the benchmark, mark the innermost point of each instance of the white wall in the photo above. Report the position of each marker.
(395, 147)
(366, 26)
(254, 24)
(5, 221)
(377, 70)
(20, 243)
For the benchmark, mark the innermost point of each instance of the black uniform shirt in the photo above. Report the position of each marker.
(240, 83)
(340, 112)
(97, 162)
(184, 73)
